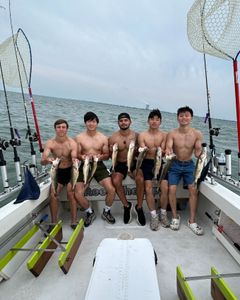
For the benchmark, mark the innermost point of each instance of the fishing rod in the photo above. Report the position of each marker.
(29, 135)
(3, 146)
(28, 79)
(15, 141)
(212, 131)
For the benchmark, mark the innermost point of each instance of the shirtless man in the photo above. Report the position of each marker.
(123, 137)
(153, 138)
(92, 143)
(184, 141)
(65, 148)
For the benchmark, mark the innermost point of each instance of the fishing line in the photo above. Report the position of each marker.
(14, 142)
(29, 132)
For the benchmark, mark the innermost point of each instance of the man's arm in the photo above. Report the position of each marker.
(169, 143)
(141, 140)
(105, 150)
(198, 144)
(47, 151)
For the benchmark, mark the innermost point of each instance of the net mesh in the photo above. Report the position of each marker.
(10, 63)
(213, 27)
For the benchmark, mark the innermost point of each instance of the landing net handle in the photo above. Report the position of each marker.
(236, 85)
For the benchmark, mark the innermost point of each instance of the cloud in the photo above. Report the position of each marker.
(129, 51)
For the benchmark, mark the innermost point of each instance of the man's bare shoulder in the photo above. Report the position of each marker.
(197, 133)
(80, 136)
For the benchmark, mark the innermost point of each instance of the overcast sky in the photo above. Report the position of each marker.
(128, 52)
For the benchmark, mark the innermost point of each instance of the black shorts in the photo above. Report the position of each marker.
(64, 175)
(100, 173)
(122, 168)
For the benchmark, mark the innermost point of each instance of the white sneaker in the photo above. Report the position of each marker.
(196, 228)
(175, 223)
(154, 222)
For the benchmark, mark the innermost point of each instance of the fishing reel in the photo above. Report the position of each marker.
(15, 142)
(4, 144)
(32, 137)
(214, 131)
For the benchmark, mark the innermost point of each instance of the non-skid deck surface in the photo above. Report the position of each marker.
(195, 255)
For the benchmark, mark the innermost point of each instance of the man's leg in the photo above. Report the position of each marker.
(110, 194)
(84, 203)
(163, 203)
(73, 204)
(117, 179)
(140, 195)
(54, 203)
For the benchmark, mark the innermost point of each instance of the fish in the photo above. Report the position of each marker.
(142, 153)
(157, 162)
(169, 160)
(130, 154)
(74, 174)
(199, 166)
(86, 169)
(93, 169)
(114, 156)
(53, 173)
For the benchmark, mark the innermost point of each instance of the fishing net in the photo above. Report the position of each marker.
(9, 62)
(16, 60)
(213, 27)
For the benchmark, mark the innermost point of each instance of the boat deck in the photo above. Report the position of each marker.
(194, 254)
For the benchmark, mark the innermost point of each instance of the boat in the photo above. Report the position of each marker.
(106, 261)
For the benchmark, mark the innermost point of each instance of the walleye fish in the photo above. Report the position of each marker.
(199, 166)
(114, 156)
(169, 160)
(53, 173)
(86, 169)
(142, 153)
(157, 162)
(93, 169)
(130, 154)
(74, 174)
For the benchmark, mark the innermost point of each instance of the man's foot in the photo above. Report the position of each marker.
(90, 217)
(164, 220)
(195, 228)
(140, 216)
(127, 215)
(74, 226)
(154, 222)
(175, 223)
(107, 216)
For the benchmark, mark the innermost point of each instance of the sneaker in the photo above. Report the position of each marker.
(140, 216)
(90, 217)
(154, 223)
(74, 226)
(195, 228)
(107, 216)
(175, 223)
(164, 220)
(127, 215)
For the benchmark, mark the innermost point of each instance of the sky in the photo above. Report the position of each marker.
(124, 52)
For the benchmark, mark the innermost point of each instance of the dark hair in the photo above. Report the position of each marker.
(155, 113)
(184, 109)
(60, 121)
(90, 116)
(124, 115)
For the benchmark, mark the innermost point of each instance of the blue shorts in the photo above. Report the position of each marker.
(181, 169)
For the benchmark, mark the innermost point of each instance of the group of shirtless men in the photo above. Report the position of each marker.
(184, 141)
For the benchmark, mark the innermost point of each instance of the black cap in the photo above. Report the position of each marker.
(124, 115)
